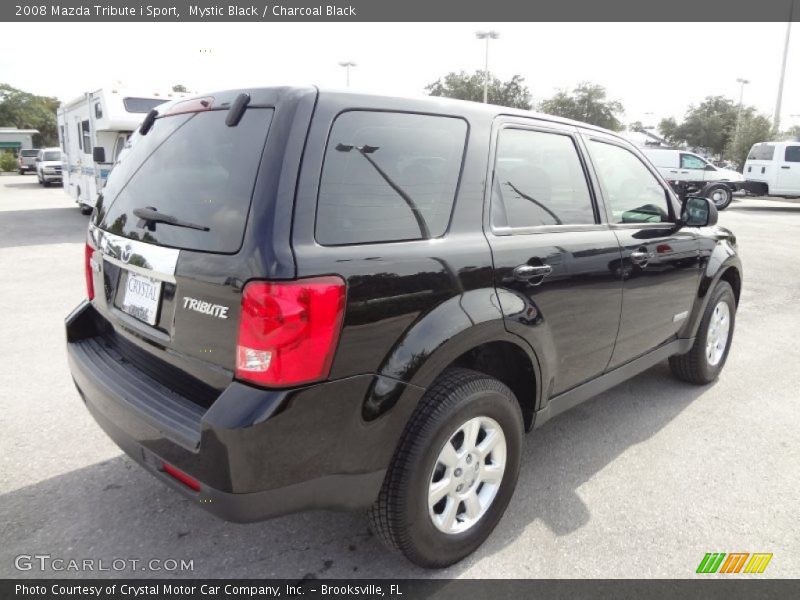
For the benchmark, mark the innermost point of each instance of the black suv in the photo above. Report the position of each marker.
(301, 299)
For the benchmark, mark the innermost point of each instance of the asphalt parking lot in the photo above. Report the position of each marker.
(639, 482)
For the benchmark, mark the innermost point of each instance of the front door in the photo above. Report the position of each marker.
(660, 264)
(556, 263)
(789, 170)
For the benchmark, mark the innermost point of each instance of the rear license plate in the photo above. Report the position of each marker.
(141, 298)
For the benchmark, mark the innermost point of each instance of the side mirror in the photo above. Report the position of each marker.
(698, 212)
(710, 168)
(99, 154)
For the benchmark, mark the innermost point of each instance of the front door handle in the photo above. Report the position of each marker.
(785, 167)
(527, 272)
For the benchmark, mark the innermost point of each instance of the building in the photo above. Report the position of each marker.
(15, 139)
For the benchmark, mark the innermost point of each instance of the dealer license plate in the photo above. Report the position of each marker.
(141, 298)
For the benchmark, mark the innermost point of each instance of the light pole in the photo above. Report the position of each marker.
(347, 64)
(742, 82)
(776, 122)
(486, 35)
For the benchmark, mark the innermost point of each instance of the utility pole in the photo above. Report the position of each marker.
(742, 82)
(486, 35)
(776, 123)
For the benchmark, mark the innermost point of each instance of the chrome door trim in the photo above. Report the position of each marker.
(138, 257)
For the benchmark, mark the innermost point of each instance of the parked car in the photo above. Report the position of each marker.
(27, 160)
(773, 168)
(48, 166)
(300, 299)
(690, 173)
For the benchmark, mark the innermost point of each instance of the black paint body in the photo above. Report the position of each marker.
(413, 308)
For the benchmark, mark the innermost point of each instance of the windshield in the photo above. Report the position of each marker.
(761, 152)
(53, 155)
(192, 167)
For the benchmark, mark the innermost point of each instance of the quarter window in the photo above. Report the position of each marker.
(389, 176)
(792, 154)
(539, 180)
(98, 111)
(630, 189)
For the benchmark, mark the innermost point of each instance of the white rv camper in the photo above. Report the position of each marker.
(93, 130)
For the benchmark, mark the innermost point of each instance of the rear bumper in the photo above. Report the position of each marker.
(256, 453)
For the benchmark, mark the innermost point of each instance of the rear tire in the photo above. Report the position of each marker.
(720, 194)
(454, 471)
(704, 362)
(85, 210)
(45, 183)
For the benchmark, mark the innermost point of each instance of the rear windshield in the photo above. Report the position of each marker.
(192, 167)
(761, 152)
(141, 105)
(54, 155)
(29, 153)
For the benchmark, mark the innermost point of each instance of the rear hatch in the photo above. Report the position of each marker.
(165, 254)
(28, 157)
(759, 165)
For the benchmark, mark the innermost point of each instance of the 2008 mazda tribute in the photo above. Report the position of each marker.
(300, 299)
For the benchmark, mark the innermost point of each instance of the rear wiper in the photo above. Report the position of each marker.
(150, 216)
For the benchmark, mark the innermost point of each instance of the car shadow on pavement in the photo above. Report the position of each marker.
(114, 509)
(793, 209)
(42, 226)
(27, 185)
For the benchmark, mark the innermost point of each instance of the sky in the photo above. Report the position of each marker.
(655, 69)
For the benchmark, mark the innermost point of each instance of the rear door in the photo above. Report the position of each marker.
(173, 291)
(659, 265)
(789, 170)
(556, 261)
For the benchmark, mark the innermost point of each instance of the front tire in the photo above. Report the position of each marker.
(454, 471)
(704, 362)
(721, 195)
(86, 209)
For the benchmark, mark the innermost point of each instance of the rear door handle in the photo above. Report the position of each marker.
(526, 272)
(786, 167)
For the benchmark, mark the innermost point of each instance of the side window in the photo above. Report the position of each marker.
(630, 189)
(689, 161)
(388, 176)
(80, 135)
(87, 138)
(98, 111)
(63, 134)
(539, 180)
(792, 154)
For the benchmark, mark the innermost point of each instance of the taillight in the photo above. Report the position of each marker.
(87, 263)
(289, 330)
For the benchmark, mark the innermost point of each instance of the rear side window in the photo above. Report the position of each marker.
(388, 177)
(630, 189)
(192, 167)
(539, 180)
(761, 152)
(792, 154)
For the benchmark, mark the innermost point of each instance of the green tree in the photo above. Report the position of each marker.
(753, 128)
(28, 111)
(180, 88)
(588, 103)
(710, 125)
(463, 86)
(791, 133)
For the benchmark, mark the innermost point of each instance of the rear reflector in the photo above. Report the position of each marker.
(289, 330)
(87, 264)
(185, 479)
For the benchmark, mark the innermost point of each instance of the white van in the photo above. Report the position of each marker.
(773, 168)
(691, 173)
(93, 129)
